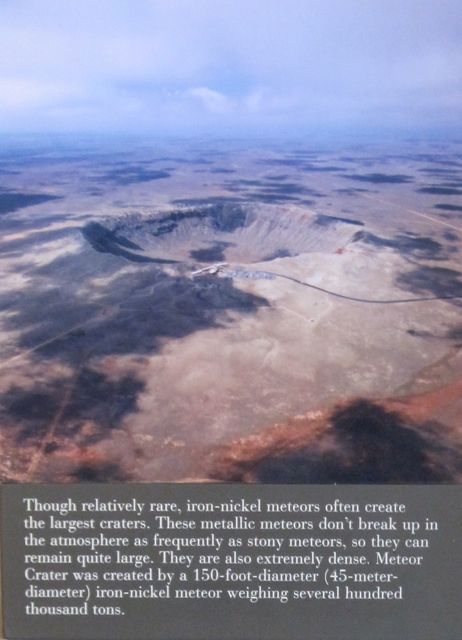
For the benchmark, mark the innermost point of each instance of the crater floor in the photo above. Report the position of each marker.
(244, 233)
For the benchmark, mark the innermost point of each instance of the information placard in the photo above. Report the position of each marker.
(197, 562)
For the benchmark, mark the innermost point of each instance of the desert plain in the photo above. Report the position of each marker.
(230, 310)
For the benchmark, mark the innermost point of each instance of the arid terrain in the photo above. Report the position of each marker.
(230, 311)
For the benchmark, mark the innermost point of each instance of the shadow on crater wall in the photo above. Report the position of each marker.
(107, 241)
(325, 221)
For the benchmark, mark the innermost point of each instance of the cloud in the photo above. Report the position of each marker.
(197, 63)
(30, 93)
(213, 101)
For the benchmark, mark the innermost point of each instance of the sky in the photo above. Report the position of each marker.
(229, 66)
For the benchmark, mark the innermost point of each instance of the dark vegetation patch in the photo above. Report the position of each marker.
(277, 177)
(177, 307)
(416, 333)
(28, 411)
(222, 170)
(92, 397)
(318, 168)
(448, 207)
(200, 160)
(362, 443)
(455, 333)
(73, 269)
(291, 188)
(451, 236)
(101, 400)
(271, 190)
(133, 314)
(210, 200)
(436, 171)
(406, 244)
(11, 201)
(432, 158)
(174, 159)
(302, 162)
(283, 162)
(44, 311)
(101, 472)
(132, 175)
(440, 191)
(379, 178)
(270, 197)
(436, 281)
(383, 448)
(354, 190)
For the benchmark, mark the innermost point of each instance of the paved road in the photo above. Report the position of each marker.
(364, 300)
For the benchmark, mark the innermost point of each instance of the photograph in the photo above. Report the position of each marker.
(231, 239)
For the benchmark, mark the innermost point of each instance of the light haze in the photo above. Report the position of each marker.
(227, 67)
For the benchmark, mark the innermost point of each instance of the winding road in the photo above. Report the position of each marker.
(353, 298)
